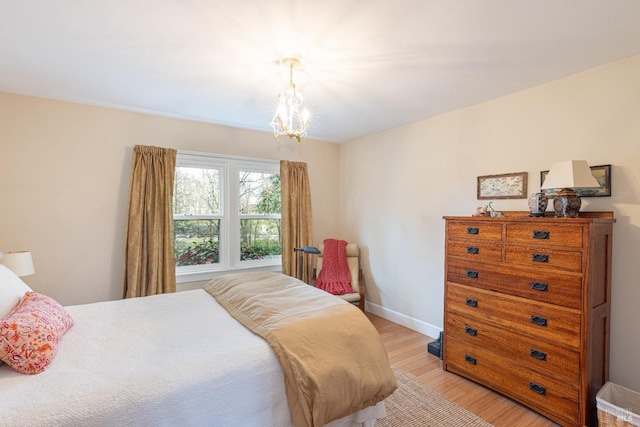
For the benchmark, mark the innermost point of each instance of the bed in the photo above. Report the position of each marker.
(171, 359)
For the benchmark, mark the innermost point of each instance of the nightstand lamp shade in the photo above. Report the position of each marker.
(20, 263)
(567, 177)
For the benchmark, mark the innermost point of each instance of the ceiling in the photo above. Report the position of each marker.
(367, 65)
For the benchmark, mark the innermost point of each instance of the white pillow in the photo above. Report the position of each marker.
(12, 289)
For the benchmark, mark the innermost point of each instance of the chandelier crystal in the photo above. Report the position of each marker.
(292, 115)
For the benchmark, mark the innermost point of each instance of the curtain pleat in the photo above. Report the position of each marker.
(296, 216)
(149, 254)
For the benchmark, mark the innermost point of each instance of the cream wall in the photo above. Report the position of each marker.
(64, 178)
(396, 186)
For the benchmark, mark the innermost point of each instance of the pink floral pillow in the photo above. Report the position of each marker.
(30, 334)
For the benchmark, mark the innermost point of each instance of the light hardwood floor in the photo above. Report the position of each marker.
(407, 351)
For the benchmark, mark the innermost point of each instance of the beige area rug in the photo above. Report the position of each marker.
(416, 405)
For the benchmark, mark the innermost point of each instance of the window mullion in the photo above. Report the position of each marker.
(224, 207)
(233, 215)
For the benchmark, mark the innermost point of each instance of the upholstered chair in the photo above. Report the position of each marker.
(357, 277)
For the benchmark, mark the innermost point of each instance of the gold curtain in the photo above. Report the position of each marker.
(296, 216)
(149, 255)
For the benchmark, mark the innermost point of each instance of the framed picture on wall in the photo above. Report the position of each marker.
(504, 186)
(601, 173)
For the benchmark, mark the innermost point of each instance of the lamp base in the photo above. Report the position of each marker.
(567, 204)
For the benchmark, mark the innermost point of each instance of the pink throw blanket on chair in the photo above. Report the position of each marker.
(335, 276)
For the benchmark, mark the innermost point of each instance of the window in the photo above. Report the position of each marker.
(226, 214)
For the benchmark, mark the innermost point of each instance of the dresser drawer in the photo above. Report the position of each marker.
(544, 258)
(546, 286)
(475, 251)
(541, 393)
(473, 231)
(545, 234)
(552, 323)
(540, 356)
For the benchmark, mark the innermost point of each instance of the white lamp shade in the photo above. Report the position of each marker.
(20, 263)
(570, 174)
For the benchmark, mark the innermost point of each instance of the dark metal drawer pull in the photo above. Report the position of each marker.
(542, 321)
(470, 359)
(537, 234)
(469, 330)
(473, 230)
(540, 258)
(472, 274)
(537, 388)
(473, 303)
(539, 286)
(473, 250)
(540, 355)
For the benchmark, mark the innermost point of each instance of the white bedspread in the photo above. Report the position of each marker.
(166, 360)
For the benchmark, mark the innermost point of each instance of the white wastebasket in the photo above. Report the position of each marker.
(617, 406)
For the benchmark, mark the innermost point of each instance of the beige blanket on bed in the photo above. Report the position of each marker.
(332, 357)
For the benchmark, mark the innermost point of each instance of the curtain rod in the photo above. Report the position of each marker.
(226, 156)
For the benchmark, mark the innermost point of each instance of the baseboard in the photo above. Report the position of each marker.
(402, 319)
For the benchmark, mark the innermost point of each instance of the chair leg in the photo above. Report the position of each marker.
(362, 290)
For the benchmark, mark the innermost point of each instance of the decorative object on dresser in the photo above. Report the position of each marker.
(527, 307)
(538, 204)
(504, 186)
(567, 177)
(481, 211)
(493, 213)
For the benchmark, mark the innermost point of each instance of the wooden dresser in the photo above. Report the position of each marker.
(527, 308)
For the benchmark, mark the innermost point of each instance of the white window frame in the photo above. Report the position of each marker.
(229, 216)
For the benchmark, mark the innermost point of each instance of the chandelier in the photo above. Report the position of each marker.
(292, 115)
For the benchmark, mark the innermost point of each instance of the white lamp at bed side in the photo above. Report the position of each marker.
(20, 262)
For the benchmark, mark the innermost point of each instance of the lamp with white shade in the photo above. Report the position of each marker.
(566, 177)
(20, 262)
